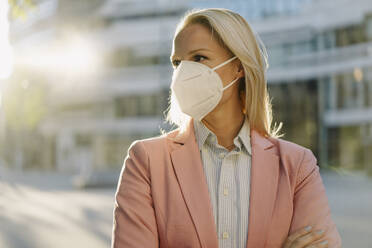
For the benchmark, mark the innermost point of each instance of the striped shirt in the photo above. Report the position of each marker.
(228, 176)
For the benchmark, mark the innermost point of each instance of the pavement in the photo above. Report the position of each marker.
(350, 199)
(45, 210)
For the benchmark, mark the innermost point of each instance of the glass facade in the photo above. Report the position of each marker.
(254, 9)
(141, 105)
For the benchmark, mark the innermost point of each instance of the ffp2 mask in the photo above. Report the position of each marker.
(197, 88)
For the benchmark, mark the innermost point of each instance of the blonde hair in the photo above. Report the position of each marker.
(235, 34)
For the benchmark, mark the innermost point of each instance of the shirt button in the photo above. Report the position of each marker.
(225, 235)
(225, 191)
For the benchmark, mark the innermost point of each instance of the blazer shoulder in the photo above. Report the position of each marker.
(149, 143)
(291, 151)
(296, 158)
(154, 145)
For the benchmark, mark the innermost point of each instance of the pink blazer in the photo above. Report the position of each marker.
(162, 197)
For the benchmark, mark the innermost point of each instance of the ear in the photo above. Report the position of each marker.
(241, 73)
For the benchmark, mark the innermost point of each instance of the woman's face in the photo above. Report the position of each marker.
(196, 43)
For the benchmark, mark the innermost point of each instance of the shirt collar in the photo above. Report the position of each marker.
(202, 134)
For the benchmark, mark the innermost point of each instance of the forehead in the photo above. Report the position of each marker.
(192, 37)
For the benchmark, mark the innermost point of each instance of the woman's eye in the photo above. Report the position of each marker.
(175, 63)
(199, 58)
(196, 58)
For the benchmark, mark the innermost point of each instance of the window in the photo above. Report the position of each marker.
(141, 105)
(350, 35)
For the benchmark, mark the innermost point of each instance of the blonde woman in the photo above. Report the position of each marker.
(223, 178)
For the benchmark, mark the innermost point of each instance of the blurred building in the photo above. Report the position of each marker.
(94, 113)
(320, 77)
(94, 122)
(320, 56)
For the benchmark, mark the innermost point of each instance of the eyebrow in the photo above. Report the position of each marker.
(191, 52)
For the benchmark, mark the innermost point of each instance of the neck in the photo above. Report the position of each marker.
(225, 123)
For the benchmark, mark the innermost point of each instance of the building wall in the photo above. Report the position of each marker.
(320, 66)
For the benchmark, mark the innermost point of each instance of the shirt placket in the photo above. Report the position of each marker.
(226, 201)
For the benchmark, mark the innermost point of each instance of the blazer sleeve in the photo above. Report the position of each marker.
(134, 222)
(311, 203)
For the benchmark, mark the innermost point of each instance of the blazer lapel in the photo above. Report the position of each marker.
(263, 189)
(189, 171)
(263, 186)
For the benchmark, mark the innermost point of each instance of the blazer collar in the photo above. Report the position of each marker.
(188, 167)
(183, 136)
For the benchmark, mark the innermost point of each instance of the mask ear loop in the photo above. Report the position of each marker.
(227, 86)
(224, 63)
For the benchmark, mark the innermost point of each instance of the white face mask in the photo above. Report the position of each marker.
(197, 88)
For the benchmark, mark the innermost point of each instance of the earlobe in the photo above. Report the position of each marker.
(240, 71)
(241, 74)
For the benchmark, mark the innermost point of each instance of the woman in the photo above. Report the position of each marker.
(223, 178)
